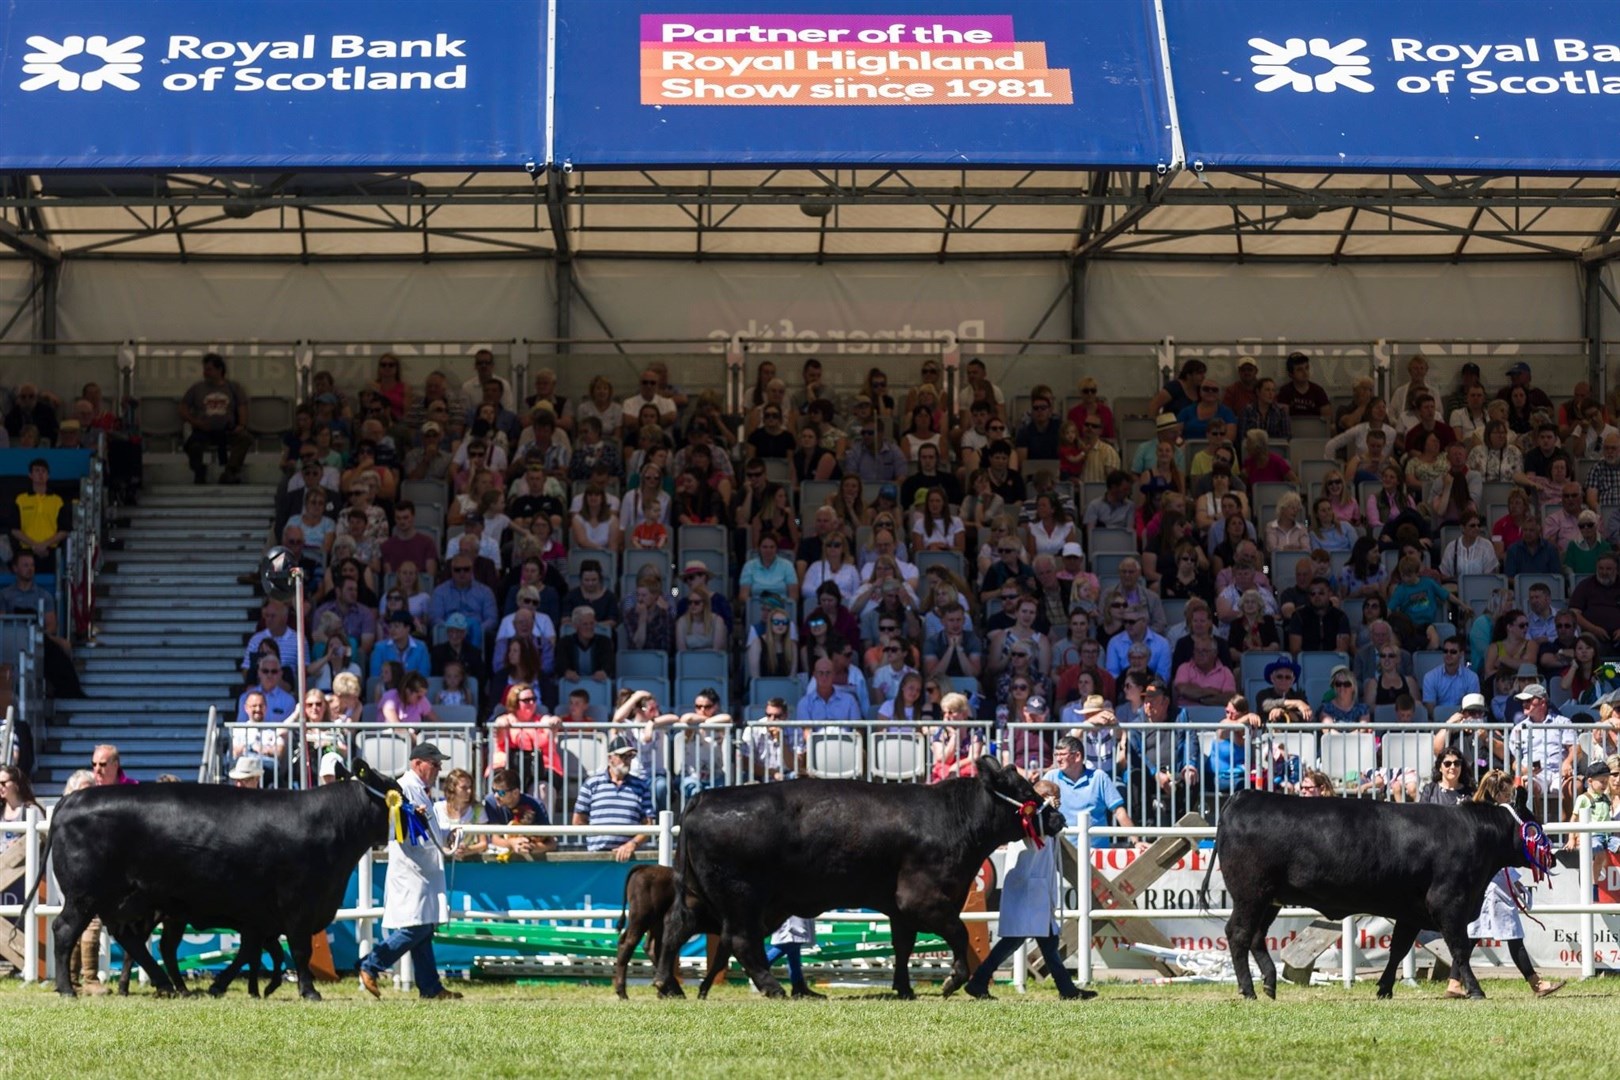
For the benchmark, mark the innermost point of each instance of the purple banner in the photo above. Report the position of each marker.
(715, 29)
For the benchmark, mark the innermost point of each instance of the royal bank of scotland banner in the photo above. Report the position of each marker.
(1488, 85)
(897, 82)
(175, 84)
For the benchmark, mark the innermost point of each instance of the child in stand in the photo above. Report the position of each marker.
(1596, 799)
(1028, 897)
(454, 691)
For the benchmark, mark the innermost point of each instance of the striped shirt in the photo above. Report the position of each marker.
(602, 802)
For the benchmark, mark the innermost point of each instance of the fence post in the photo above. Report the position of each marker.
(1347, 960)
(363, 899)
(1082, 943)
(666, 838)
(31, 871)
(1588, 896)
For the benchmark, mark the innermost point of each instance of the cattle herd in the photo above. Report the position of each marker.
(274, 863)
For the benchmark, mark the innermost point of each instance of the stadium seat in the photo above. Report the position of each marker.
(702, 664)
(950, 560)
(1319, 665)
(1300, 744)
(656, 685)
(1175, 611)
(1282, 568)
(899, 756)
(787, 688)
(1409, 750)
(632, 662)
(1116, 541)
(388, 752)
(600, 693)
(1348, 752)
(1522, 583)
(609, 561)
(812, 494)
(582, 752)
(1476, 589)
(636, 561)
(690, 537)
(1254, 664)
(1385, 714)
(1205, 714)
(1425, 661)
(834, 755)
(159, 418)
(687, 690)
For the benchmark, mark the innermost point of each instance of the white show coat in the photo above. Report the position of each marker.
(796, 931)
(414, 893)
(1030, 893)
(1498, 915)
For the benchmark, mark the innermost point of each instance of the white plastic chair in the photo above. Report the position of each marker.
(834, 755)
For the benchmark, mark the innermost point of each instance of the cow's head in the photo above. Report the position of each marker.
(1034, 815)
(376, 784)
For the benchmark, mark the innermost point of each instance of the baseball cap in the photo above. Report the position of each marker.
(1531, 692)
(889, 491)
(1520, 368)
(458, 621)
(329, 764)
(1597, 770)
(426, 751)
(1587, 517)
(1470, 368)
(1473, 703)
(400, 617)
(247, 768)
(1035, 704)
(474, 518)
(1072, 549)
(622, 745)
(432, 428)
(1247, 362)
(69, 425)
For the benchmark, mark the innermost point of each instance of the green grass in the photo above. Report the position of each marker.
(556, 1030)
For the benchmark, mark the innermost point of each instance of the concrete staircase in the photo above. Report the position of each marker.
(172, 621)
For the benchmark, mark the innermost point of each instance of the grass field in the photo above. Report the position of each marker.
(553, 1030)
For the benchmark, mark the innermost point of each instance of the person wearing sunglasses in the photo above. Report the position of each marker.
(1452, 781)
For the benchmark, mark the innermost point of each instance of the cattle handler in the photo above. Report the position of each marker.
(414, 895)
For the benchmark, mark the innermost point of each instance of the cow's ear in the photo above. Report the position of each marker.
(342, 772)
(1521, 802)
(989, 767)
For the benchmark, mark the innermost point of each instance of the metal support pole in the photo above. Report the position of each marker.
(666, 838)
(1082, 942)
(1597, 367)
(518, 368)
(1588, 894)
(51, 280)
(307, 771)
(1077, 300)
(564, 273)
(1021, 970)
(31, 861)
(1347, 959)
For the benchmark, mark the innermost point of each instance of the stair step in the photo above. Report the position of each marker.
(205, 638)
(219, 616)
(192, 719)
(148, 651)
(230, 551)
(114, 683)
(140, 581)
(132, 741)
(223, 597)
(145, 765)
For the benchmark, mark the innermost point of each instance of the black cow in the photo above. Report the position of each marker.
(751, 856)
(260, 861)
(1426, 867)
(247, 955)
(648, 893)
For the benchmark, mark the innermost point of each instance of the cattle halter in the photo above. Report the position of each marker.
(1027, 810)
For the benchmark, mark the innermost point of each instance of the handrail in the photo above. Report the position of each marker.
(208, 771)
(7, 732)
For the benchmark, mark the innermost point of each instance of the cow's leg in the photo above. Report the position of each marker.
(169, 948)
(67, 928)
(222, 981)
(747, 942)
(1400, 943)
(300, 941)
(629, 938)
(1262, 955)
(278, 962)
(904, 933)
(956, 936)
(134, 945)
(1455, 929)
(718, 956)
(679, 926)
(1244, 928)
(249, 953)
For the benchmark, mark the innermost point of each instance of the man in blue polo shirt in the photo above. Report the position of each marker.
(1089, 796)
(1445, 686)
(825, 701)
(615, 797)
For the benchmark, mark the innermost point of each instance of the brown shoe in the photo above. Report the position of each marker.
(444, 995)
(1548, 989)
(368, 983)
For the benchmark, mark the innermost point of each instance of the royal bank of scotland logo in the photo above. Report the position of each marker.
(48, 63)
(1276, 64)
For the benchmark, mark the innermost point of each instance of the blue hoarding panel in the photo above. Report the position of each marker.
(1491, 85)
(172, 84)
(904, 82)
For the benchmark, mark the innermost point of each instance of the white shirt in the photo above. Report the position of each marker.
(1546, 742)
(1459, 559)
(472, 392)
(633, 406)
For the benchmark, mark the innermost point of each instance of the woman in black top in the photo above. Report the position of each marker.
(1452, 782)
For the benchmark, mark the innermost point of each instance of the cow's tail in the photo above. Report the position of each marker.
(624, 905)
(1209, 868)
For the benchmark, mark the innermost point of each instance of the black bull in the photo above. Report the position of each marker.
(1424, 867)
(262, 862)
(752, 856)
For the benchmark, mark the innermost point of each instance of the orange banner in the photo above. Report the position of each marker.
(744, 61)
